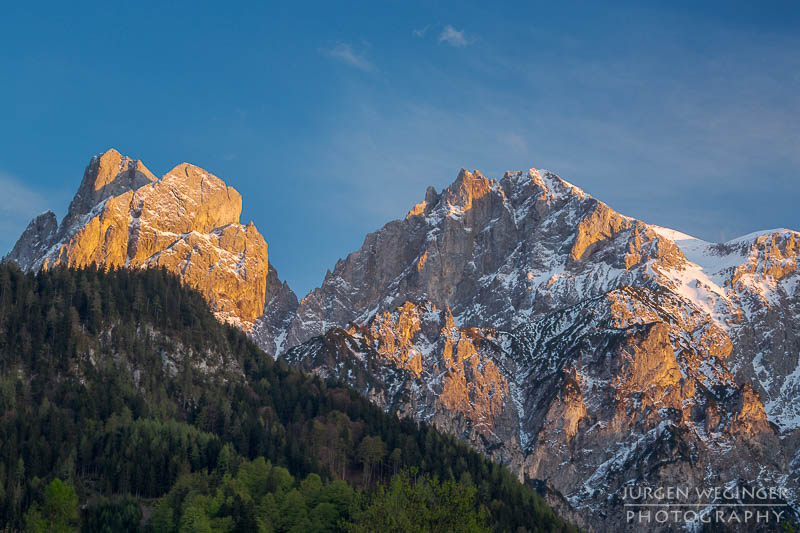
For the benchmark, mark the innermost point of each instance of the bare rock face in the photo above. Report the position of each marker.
(414, 360)
(607, 394)
(35, 240)
(608, 352)
(494, 252)
(269, 331)
(107, 175)
(186, 222)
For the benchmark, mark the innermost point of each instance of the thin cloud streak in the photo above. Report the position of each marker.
(420, 32)
(345, 53)
(24, 204)
(687, 153)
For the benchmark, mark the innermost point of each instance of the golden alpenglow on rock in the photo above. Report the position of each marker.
(186, 222)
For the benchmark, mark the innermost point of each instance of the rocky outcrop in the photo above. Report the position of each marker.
(186, 222)
(269, 331)
(414, 360)
(108, 175)
(607, 394)
(494, 252)
(612, 352)
(35, 240)
(749, 286)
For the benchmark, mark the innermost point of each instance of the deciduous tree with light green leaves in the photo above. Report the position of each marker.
(59, 512)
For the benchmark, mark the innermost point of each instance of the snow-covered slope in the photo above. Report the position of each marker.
(494, 252)
(593, 349)
(749, 285)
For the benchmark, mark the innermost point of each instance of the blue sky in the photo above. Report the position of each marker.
(332, 119)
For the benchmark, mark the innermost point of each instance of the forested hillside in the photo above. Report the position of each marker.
(126, 406)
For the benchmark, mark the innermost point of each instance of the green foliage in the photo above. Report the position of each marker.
(788, 527)
(122, 515)
(262, 497)
(34, 521)
(257, 497)
(371, 452)
(123, 384)
(421, 505)
(58, 513)
(61, 503)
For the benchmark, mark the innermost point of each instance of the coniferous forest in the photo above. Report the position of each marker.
(126, 406)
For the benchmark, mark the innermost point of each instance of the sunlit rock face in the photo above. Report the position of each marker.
(416, 361)
(494, 252)
(587, 350)
(186, 222)
(607, 351)
(632, 387)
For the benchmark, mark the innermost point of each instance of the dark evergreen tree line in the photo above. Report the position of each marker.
(124, 385)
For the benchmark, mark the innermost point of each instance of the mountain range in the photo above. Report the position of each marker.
(589, 351)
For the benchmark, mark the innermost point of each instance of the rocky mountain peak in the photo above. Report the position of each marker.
(108, 174)
(186, 222)
(425, 206)
(189, 198)
(772, 256)
(467, 187)
(494, 252)
(35, 240)
(546, 185)
(569, 341)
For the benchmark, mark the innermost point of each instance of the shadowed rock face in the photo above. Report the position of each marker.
(186, 222)
(279, 310)
(606, 351)
(494, 252)
(35, 240)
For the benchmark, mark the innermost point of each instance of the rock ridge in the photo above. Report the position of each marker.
(187, 222)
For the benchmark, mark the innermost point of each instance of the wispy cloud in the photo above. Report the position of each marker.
(420, 32)
(453, 37)
(24, 204)
(345, 53)
(26, 201)
(670, 155)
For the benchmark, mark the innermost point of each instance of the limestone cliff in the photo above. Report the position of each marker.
(414, 360)
(494, 252)
(585, 349)
(629, 388)
(186, 222)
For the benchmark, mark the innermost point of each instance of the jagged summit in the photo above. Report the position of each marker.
(569, 341)
(502, 251)
(107, 174)
(187, 221)
(188, 198)
(35, 240)
(494, 251)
